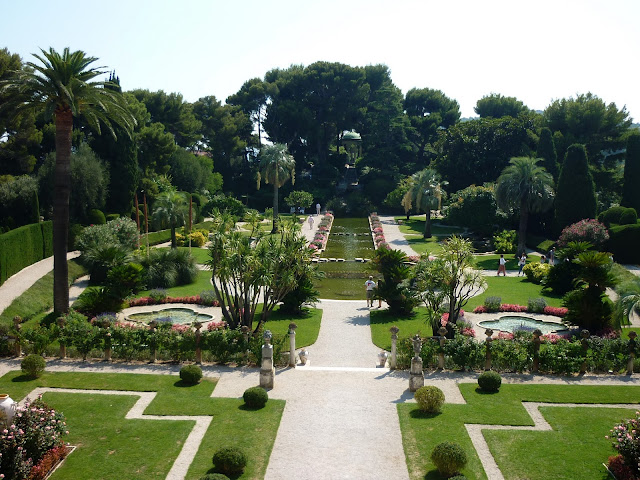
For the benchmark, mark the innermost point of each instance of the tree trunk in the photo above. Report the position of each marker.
(522, 232)
(62, 189)
(174, 243)
(427, 224)
(274, 228)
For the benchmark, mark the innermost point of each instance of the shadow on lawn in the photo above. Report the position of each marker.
(23, 378)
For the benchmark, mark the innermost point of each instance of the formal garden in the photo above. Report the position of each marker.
(161, 200)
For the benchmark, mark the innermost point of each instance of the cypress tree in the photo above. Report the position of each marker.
(630, 191)
(576, 195)
(547, 151)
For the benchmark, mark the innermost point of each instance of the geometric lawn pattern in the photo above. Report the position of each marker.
(185, 458)
(539, 424)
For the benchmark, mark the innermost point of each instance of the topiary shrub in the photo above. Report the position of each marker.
(33, 365)
(96, 217)
(214, 476)
(429, 398)
(230, 460)
(458, 477)
(489, 381)
(629, 217)
(191, 374)
(255, 397)
(449, 458)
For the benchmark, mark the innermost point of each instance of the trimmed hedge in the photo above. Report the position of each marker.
(24, 246)
(539, 244)
(623, 243)
(618, 216)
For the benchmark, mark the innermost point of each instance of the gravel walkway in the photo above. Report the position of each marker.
(394, 237)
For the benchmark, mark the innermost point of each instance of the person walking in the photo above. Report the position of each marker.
(310, 222)
(552, 255)
(318, 208)
(521, 263)
(502, 266)
(370, 285)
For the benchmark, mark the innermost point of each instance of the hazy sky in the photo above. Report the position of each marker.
(536, 51)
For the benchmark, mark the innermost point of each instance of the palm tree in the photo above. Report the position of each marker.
(628, 301)
(525, 185)
(425, 194)
(276, 167)
(63, 87)
(170, 210)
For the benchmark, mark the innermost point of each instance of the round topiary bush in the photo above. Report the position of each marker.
(429, 398)
(255, 397)
(489, 381)
(191, 374)
(449, 458)
(230, 460)
(33, 365)
(214, 476)
(96, 217)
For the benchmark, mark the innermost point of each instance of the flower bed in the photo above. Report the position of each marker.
(377, 232)
(319, 242)
(508, 307)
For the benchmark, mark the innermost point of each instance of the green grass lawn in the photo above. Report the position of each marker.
(308, 325)
(515, 290)
(415, 225)
(427, 246)
(491, 262)
(111, 447)
(203, 282)
(39, 297)
(200, 254)
(574, 449)
(382, 321)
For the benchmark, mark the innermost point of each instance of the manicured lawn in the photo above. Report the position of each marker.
(203, 282)
(39, 297)
(491, 262)
(111, 447)
(574, 449)
(382, 321)
(200, 254)
(415, 225)
(516, 290)
(308, 325)
(428, 246)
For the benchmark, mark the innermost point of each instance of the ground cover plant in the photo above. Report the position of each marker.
(110, 446)
(575, 448)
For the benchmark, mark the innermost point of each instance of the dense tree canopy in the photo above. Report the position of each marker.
(631, 192)
(497, 106)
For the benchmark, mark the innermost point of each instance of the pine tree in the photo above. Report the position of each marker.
(630, 191)
(576, 196)
(547, 151)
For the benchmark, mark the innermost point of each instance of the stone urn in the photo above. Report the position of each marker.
(304, 356)
(7, 408)
(382, 358)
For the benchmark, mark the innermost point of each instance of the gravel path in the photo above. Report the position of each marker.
(394, 237)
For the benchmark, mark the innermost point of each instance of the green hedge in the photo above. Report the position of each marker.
(623, 243)
(24, 246)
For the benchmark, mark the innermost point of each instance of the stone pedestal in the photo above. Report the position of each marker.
(536, 349)
(442, 331)
(585, 348)
(292, 344)
(267, 372)
(416, 377)
(198, 326)
(393, 360)
(487, 360)
(632, 352)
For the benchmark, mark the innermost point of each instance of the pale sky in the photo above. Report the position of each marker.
(536, 51)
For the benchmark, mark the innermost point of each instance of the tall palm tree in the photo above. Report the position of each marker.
(62, 86)
(171, 210)
(276, 167)
(425, 194)
(525, 185)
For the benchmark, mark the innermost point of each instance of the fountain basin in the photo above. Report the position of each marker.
(511, 323)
